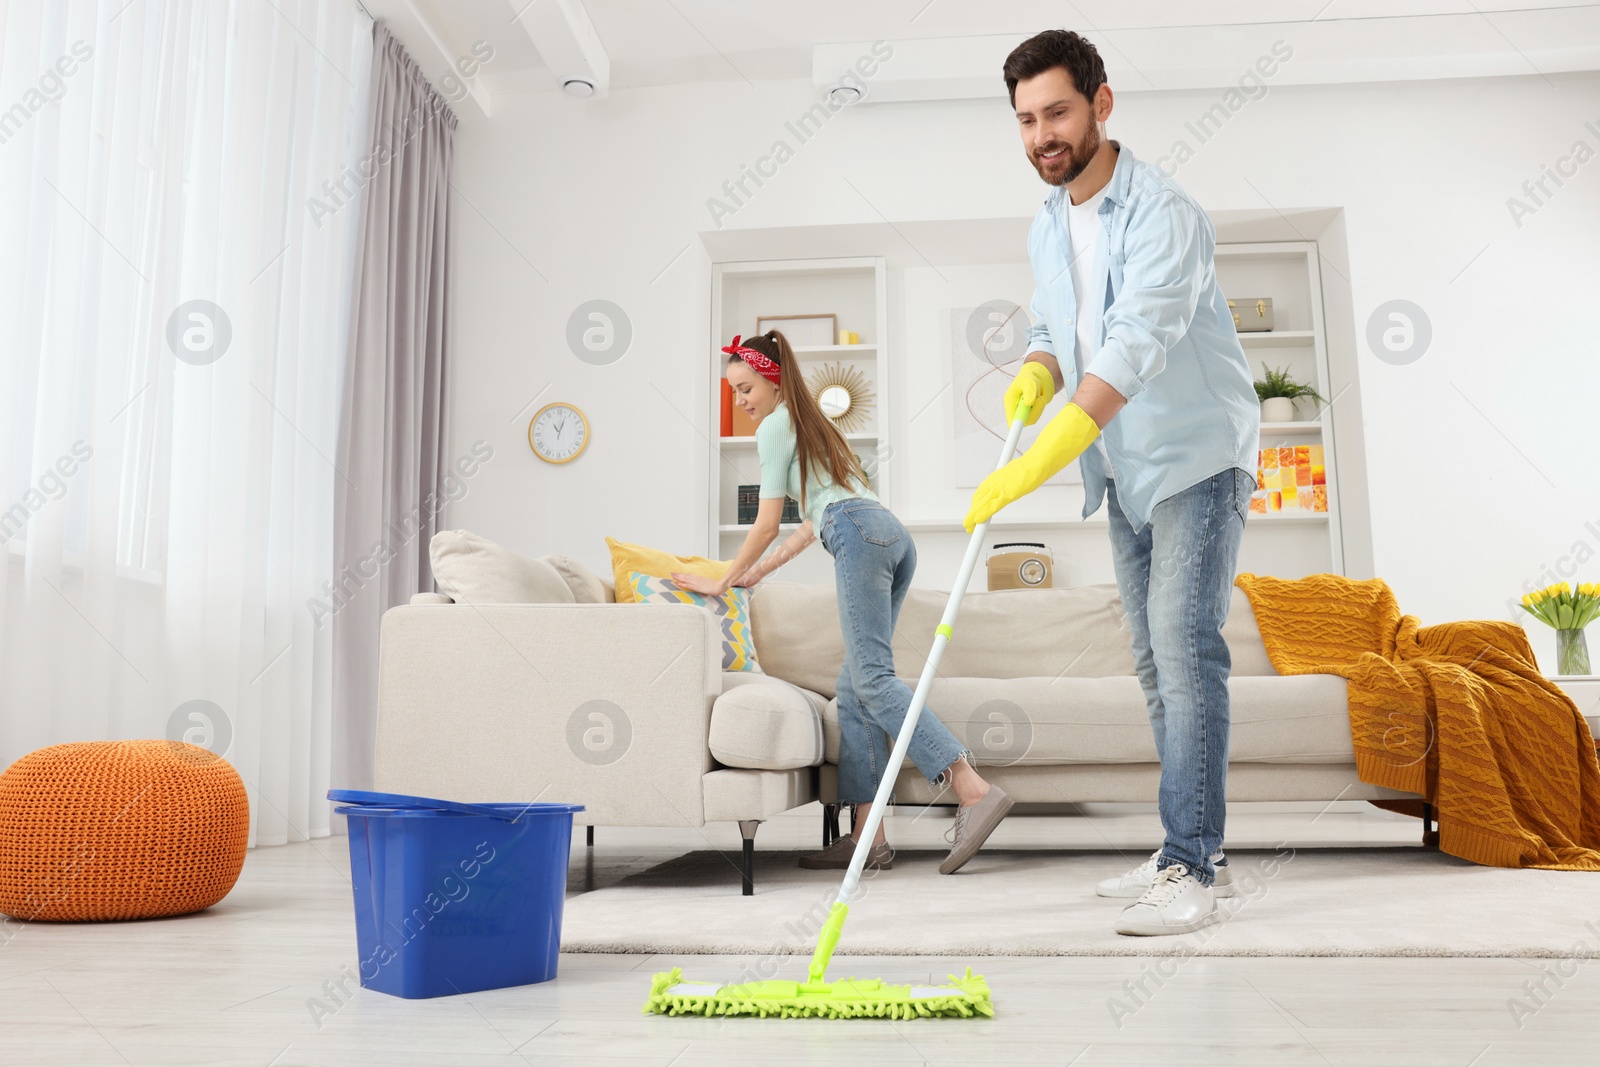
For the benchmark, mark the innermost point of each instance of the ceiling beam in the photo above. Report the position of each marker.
(567, 42)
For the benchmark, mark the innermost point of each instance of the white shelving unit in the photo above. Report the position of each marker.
(855, 290)
(1289, 543)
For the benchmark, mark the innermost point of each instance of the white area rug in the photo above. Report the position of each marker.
(1309, 902)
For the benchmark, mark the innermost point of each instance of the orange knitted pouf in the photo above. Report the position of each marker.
(119, 830)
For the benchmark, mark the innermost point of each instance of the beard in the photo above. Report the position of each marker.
(1072, 161)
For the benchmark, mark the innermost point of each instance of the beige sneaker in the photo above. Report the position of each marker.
(1134, 883)
(1176, 903)
(974, 824)
(837, 856)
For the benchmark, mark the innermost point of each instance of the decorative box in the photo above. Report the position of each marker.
(1251, 314)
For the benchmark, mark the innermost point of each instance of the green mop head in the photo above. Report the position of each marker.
(853, 998)
(850, 999)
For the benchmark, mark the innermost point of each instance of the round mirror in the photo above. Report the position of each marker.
(834, 400)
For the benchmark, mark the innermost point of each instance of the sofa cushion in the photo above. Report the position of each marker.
(474, 570)
(1249, 652)
(762, 723)
(587, 586)
(1074, 632)
(1046, 721)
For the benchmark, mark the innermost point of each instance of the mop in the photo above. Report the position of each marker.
(966, 997)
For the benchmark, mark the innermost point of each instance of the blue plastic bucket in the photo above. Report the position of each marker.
(452, 901)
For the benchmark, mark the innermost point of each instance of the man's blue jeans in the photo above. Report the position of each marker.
(1176, 579)
(874, 559)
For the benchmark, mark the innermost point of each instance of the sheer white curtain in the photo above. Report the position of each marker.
(179, 204)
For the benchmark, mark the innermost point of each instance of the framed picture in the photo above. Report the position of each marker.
(802, 330)
(986, 346)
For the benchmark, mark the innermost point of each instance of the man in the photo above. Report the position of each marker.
(1164, 423)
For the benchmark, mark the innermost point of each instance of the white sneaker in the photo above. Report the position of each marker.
(1176, 903)
(1135, 882)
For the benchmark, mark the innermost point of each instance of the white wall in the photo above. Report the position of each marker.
(1481, 455)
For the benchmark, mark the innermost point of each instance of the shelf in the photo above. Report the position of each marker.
(754, 269)
(750, 440)
(864, 350)
(1280, 428)
(1283, 518)
(1286, 518)
(1278, 339)
(945, 526)
(856, 290)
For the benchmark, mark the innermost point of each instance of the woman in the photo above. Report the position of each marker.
(804, 456)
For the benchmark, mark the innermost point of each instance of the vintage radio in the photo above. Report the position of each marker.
(1028, 565)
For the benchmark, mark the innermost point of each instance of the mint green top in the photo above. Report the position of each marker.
(780, 469)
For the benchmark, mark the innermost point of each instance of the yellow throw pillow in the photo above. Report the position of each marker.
(626, 558)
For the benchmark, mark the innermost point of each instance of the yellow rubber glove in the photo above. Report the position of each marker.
(1033, 386)
(1063, 440)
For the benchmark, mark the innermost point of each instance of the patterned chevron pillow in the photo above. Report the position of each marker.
(732, 611)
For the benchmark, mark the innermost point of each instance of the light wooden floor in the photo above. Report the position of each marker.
(239, 984)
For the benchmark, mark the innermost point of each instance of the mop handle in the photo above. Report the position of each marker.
(942, 635)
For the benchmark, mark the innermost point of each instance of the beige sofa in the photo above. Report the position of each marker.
(624, 708)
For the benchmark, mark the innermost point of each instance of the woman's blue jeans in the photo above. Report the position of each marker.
(1176, 579)
(874, 559)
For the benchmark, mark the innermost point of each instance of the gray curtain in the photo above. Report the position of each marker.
(392, 429)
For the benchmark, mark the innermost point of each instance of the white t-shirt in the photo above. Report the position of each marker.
(1084, 228)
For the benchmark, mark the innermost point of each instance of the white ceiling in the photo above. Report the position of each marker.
(948, 49)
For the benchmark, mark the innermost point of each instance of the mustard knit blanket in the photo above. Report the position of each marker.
(1458, 713)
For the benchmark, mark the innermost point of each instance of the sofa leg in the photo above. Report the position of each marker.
(1430, 835)
(830, 824)
(747, 830)
(590, 835)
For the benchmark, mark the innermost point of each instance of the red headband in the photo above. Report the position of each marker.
(759, 362)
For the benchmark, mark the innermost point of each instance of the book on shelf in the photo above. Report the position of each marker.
(750, 506)
(1292, 478)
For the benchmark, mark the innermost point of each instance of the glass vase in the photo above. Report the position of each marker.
(1572, 653)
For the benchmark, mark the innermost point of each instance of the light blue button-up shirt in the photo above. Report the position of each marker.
(1167, 339)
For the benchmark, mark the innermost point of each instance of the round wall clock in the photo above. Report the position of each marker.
(558, 433)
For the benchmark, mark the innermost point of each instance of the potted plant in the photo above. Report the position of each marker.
(1277, 392)
(1558, 607)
